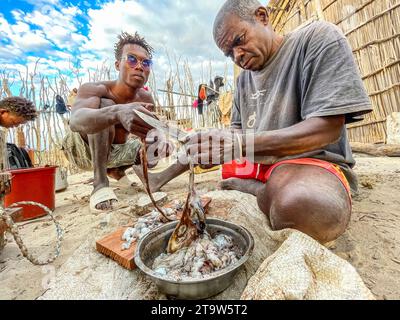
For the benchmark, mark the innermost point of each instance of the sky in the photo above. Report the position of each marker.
(67, 34)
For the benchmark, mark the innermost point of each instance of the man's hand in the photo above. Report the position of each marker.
(132, 122)
(215, 146)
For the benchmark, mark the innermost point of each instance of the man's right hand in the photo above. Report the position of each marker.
(132, 122)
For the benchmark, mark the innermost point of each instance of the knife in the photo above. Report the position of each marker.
(169, 131)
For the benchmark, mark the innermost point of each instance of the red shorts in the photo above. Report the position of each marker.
(262, 172)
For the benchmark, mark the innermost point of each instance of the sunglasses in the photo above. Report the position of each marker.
(133, 61)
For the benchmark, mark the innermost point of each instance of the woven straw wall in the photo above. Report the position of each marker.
(373, 30)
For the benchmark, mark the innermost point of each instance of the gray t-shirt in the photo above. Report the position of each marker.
(313, 74)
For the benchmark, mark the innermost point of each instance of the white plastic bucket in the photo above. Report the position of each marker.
(61, 179)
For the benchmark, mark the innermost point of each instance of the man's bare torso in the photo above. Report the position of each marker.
(107, 90)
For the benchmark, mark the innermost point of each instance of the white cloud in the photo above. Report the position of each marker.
(12, 67)
(61, 55)
(70, 11)
(20, 35)
(183, 28)
(41, 3)
(33, 41)
(78, 38)
(182, 25)
(53, 19)
(21, 27)
(9, 52)
(90, 60)
(4, 26)
(42, 30)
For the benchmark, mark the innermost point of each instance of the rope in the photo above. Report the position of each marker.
(13, 229)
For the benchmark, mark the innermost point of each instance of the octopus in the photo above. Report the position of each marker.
(191, 251)
(146, 224)
(203, 257)
(192, 223)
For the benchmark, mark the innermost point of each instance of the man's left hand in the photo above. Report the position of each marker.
(214, 146)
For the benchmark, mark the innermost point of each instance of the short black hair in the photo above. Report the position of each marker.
(244, 9)
(125, 38)
(20, 106)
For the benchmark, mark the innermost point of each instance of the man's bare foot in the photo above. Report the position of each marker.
(154, 181)
(242, 185)
(105, 205)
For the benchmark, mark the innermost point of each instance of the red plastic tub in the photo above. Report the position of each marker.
(34, 184)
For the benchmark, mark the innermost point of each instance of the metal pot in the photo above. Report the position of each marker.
(155, 243)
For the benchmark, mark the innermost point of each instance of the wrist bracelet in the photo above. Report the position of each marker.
(240, 142)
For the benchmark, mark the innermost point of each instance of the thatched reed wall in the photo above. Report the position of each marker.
(373, 30)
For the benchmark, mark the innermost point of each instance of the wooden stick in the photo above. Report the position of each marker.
(376, 150)
(376, 41)
(373, 18)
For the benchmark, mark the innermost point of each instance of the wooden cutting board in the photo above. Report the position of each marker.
(111, 245)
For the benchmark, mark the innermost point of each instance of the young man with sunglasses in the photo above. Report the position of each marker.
(103, 118)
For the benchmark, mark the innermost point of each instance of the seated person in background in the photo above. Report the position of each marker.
(15, 111)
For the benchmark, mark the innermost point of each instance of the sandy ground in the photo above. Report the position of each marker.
(370, 243)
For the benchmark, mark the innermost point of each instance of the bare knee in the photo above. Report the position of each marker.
(323, 217)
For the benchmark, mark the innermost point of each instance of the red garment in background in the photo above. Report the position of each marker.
(203, 93)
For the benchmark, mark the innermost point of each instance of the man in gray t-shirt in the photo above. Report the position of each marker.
(295, 95)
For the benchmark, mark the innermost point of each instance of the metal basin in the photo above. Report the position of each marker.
(155, 243)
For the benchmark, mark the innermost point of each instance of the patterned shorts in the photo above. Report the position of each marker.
(78, 152)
